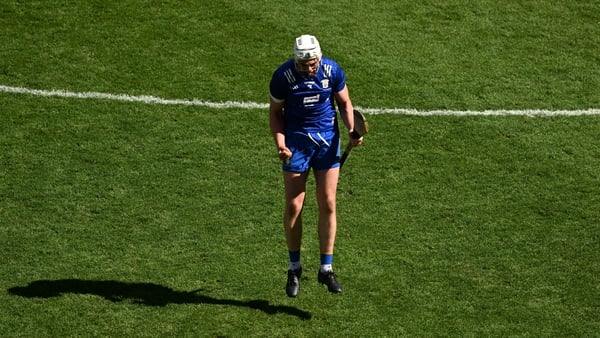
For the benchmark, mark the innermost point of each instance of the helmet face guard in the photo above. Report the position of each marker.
(307, 48)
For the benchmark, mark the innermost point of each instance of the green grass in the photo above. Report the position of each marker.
(130, 219)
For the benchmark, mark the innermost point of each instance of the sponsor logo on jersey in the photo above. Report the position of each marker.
(310, 100)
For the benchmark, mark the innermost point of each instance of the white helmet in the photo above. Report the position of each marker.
(306, 48)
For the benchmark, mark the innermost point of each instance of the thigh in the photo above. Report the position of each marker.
(295, 185)
(327, 181)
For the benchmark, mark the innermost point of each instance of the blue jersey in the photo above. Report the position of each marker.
(309, 105)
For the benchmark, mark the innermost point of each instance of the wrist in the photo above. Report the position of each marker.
(353, 134)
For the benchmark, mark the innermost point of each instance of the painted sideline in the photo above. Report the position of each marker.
(254, 105)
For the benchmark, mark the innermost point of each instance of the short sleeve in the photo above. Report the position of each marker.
(278, 88)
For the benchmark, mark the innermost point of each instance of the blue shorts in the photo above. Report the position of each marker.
(312, 150)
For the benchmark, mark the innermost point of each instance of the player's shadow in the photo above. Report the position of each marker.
(149, 294)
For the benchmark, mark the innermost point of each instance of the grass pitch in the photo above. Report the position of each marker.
(130, 219)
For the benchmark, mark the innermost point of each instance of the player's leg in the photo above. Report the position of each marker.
(326, 181)
(295, 192)
(295, 174)
(327, 173)
(326, 198)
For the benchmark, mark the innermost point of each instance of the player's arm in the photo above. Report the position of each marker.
(277, 128)
(347, 113)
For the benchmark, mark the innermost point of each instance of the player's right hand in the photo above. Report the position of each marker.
(284, 154)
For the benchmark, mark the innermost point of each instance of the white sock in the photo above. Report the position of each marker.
(326, 268)
(295, 265)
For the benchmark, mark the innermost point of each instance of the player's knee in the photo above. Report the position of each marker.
(294, 207)
(327, 206)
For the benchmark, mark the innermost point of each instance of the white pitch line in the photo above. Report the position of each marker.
(499, 112)
(130, 98)
(254, 105)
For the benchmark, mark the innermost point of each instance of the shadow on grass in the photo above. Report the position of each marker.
(142, 293)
